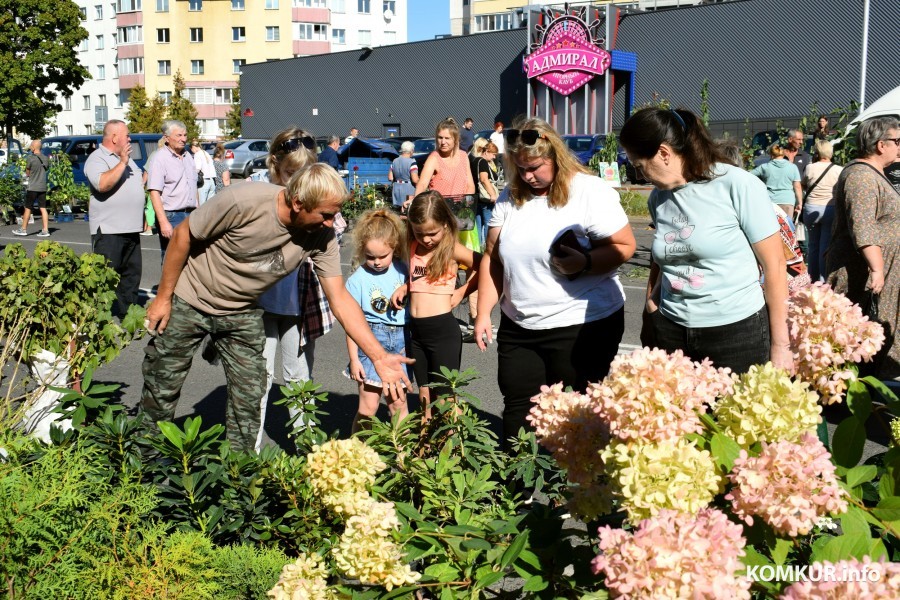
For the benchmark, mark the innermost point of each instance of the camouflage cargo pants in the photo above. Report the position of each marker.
(239, 339)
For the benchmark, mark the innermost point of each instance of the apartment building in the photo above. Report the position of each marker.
(145, 42)
(478, 16)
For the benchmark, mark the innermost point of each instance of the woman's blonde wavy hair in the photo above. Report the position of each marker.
(283, 164)
(550, 146)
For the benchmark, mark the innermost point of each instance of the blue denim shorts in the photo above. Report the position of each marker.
(394, 339)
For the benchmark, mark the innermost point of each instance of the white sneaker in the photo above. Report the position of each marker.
(20, 231)
(43, 233)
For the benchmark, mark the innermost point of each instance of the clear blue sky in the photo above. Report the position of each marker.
(427, 18)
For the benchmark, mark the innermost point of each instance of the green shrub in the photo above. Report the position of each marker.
(634, 203)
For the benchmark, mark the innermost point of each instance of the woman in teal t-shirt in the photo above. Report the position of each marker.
(782, 179)
(714, 223)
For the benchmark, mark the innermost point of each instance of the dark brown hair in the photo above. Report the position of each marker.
(431, 206)
(648, 128)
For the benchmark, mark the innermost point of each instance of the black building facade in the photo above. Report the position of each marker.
(765, 60)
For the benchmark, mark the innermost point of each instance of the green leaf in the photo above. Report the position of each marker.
(409, 511)
(887, 395)
(888, 509)
(781, 550)
(844, 547)
(887, 485)
(753, 558)
(476, 544)
(849, 442)
(858, 400)
(861, 474)
(514, 550)
(853, 522)
(535, 583)
(442, 572)
(725, 450)
(172, 433)
(488, 580)
(878, 551)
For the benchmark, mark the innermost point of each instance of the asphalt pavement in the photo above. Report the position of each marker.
(204, 391)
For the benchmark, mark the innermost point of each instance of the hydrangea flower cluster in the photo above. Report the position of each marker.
(648, 477)
(895, 431)
(789, 485)
(828, 334)
(766, 405)
(566, 425)
(590, 501)
(303, 578)
(366, 551)
(650, 395)
(340, 472)
(675, 555)
(853, 580)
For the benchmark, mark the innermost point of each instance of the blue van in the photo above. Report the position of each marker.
(79, 147)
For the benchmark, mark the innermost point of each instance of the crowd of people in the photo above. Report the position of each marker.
(255, 265)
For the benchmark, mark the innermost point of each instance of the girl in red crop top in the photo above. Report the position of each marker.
(435, 254)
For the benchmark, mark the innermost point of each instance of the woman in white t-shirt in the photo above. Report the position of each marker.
(819, 180)
(555, 240)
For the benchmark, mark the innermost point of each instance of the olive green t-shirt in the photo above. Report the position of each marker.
(241, 248)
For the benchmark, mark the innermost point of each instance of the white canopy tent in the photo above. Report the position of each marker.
(887, 105)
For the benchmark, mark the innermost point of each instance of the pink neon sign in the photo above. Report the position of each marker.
(567, 59)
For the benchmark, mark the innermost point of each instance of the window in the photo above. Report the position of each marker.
(364, 6)
(98, 12)
(56, 130)
(101, 100)
(67, 103)
(164, 67)
(83, 12)
(339, 36)
(389, 5)
(273, 33)
(494, 22)
(271, 4)
(132, 34)
(224, 95)
(196, 34)
(115, 39)
(236, 65)
(162, 36)
(115, 70)
(86, 102)
(199, 95)
(162, 5)
(131, 66)
(84, 46)
(128, 6)
(101, 72)
(310, 31)
(88, 128)
(237, 4)
(118, 98)
(69, 129)
(390, 37)
(195, 5)
(365, 37)
(99, 42)
(238, 34)
(196, 67)
(338, 6)
(166, 97)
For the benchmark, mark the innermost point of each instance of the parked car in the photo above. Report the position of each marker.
(761, 141)
(258, 164)
(239, 153)
(79, 147)
(422, 148)
(484, 133)
(209, 147)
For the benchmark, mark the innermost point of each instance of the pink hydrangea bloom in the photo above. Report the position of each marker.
(675, 555)
(828, 335)
(566, 425)
(789, 485)
(853, 580)
(650, 395)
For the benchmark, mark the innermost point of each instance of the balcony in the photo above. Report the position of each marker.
(305, 47)
(311, 15)
(127, 82)
(132, 18)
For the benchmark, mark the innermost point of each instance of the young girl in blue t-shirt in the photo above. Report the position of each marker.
(380, 244)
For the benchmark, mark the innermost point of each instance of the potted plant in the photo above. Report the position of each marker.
(64, 193)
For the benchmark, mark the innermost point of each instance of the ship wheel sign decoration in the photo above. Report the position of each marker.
(568, 54)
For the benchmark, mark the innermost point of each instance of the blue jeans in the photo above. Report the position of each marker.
(175, 218)
(738, 345)
(818, 221)
(482, 218)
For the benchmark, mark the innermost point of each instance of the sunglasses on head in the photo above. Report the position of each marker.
(294, 144)
(528, 136)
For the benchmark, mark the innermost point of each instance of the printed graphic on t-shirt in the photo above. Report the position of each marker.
(676, 240)
(688, 277)
(418, 272)
(272, 262)
(379, 301)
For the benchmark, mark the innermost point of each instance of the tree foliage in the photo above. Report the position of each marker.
(233, 118)
(145, 115)
(183, 109)
(38, 60)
